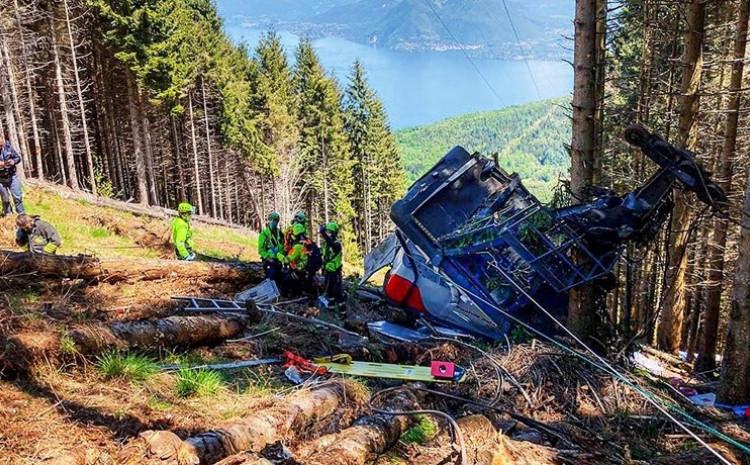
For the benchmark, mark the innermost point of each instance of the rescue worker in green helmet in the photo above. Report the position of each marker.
(299, 218)
(270, 244)
(182, 234)
(303, 261)
(332, 255)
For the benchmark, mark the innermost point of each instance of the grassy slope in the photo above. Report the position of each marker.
(107, 232)
(530, 140)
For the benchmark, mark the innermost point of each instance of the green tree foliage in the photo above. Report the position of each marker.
(529, 139)
(326, 162)
(302, 147)
(377, 170)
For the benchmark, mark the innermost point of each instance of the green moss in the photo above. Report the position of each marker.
(424, 429)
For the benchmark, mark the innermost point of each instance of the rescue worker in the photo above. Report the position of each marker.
(10, 185)
(182, 234)
(332, 253)
(37, 235)
(298, 279)
(299, 218)
(270, 243)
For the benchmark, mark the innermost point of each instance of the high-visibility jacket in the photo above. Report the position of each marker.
(288, 239)
(333, 256)
(297, 257)
(182, 237)
(42, 239)
(270, 243)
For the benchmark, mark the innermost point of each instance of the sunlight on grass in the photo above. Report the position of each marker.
(198, 383)
(89, 229)
(132, 367)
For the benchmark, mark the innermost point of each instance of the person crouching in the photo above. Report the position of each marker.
(37, 235)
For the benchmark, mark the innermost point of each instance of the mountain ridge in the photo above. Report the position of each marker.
(481, 28)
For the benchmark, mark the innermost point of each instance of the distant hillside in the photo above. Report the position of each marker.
(530, 140)
(411, 25)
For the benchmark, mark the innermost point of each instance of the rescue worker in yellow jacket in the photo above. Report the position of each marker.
(270, 243)
(182, 233)
(332, 255)
(38, 236)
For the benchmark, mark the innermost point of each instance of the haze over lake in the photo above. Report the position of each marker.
(420, 88)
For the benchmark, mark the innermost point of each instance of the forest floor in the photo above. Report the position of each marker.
(60, 404)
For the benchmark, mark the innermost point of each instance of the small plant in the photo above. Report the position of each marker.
(519, 335)
(421, 431)
(67, 345)
(132, 367)
(198, 383)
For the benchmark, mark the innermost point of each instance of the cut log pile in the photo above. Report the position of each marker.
(118, 269)
(252, 433)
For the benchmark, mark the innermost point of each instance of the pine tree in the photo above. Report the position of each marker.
(377, 168)
(328, 184)
(275, 109)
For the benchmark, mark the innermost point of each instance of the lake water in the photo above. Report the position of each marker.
(420, 88)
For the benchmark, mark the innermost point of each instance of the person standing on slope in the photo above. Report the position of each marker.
(270, 244)
(182, 234)
(332, 253)
(10, 185)
(38, 236)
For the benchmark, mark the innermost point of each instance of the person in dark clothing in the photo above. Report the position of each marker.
(38, 236)
(332, 253)
(10, 185)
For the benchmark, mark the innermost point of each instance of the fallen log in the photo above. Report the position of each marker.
(361, 443)
(114, 270)
(172, 331)
(293, 414)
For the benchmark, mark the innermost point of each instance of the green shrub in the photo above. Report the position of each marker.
(132, 367)
(198, 383)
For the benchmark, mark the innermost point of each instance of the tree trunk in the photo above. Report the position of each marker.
(81, 106)
(121, 269)
(21, 141)
(135, 128)
(148, 152)
(66, 134)
(364, 441)
(30, 91)
(196, 173)
(172, 331)
(288, 417)
(582, 304)
(211, 173)
(707, 357)
(673, 305)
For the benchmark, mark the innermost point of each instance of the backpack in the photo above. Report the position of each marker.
(314, 257)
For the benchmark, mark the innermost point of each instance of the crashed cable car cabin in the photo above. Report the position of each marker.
(473, 247)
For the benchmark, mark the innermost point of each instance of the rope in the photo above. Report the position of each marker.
(463, 50)
(605, 366)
